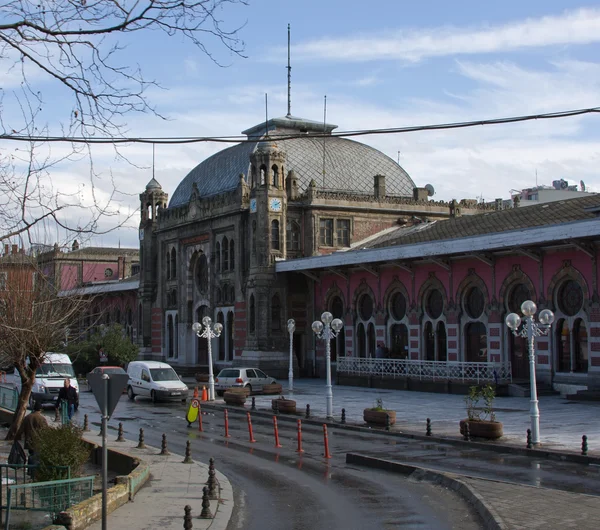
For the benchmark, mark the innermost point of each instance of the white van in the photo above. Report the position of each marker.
(155, 380)
(49, 378)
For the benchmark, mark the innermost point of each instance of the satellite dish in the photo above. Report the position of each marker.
(564, 184)
(582, 184)
(430, 190)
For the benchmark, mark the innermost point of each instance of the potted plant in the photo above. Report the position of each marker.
(378, 415)
(481, 420)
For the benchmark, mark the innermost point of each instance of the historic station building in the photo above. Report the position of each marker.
(214, 247)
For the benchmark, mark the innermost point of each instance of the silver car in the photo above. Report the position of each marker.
(252, 378)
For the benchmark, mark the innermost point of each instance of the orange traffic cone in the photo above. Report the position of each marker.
(204, 394)
(195, 392)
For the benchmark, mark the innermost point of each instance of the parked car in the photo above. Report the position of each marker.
(155, 380)
(105, 370)
(49, 378)
(253, 378)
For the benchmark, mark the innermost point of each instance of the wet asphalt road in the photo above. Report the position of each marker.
(277, 488)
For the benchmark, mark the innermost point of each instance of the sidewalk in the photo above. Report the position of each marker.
(159, 505)
(562, 422)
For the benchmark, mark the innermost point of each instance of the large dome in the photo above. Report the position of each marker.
(349, 165)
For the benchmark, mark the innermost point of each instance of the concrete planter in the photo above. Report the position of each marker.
(491, 430)
(378, 417)
(273, 388)
(235, 398)
(285, 406)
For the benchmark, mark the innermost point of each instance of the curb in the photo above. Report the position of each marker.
(549, 454)
(490, 517)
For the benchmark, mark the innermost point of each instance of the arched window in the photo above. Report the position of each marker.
(231, 255)
(202, 274)
(474, 302)
(275, 234)
(399, 341)
(570, 298)
(292, 243)
(230, 335)
(275, 313)
(518, 294)
(253, 177)
(361, 340)
(429, 342)
(218, 295)
(476, 342)
(371, 339)
(435, 304)
(263, 175)
(398, 306)
(173, 263)
(580, 346)
(252, 315)
(218, 257)
(221, 320)
(338, 346)
(232, 294)
(225, 254)
(168, 267)
(275, 176)
(442, 352)
(365, 307)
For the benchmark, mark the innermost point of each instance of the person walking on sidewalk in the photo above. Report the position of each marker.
(31, 425)
(69, 395)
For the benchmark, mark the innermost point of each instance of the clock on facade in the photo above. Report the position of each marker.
(252, 205)
(275, 205)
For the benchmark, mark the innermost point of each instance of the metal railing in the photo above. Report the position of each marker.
(51, 497)
(9, 396)
(428, 370)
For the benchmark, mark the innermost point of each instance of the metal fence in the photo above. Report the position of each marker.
(51, 497)
(8, 397)
(427, 370)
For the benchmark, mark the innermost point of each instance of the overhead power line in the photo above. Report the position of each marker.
(342, 134)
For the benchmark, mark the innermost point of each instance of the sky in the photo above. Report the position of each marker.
(381, 64)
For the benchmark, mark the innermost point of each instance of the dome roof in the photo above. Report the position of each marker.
(349, 165)
(153, 185)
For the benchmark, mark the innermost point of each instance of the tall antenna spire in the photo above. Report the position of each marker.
(324, 131)
(266, 115)
(289, 69)
(153, 145)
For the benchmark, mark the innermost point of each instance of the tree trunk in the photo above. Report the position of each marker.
(22, 403)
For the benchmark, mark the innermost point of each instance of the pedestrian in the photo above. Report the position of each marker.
(31, 425)
(380, 351)
(68, 394)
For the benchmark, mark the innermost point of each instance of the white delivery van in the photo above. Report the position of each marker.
(155, 380)
(49, 378)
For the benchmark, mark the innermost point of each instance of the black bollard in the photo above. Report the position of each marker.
(163, 446)
(86, 425)
(212, 480)
(275, 406)
(205, 513)
(188, 454)
(187, 518)
(584, 445)
(253, 403)
(529, 442)
(343, 415)
(467, 433)
(141, 444)
(307, 411)
(428, 428)
(120, 433)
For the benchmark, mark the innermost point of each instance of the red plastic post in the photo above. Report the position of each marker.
(200, 419)
(277, 444)
(299, 450)
(326, 441)
(250, 433)
(227, 424)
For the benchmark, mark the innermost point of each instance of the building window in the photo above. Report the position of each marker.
(338, 345)
(274, 234)
(225, 254)
(476, 342)
(275, 176)
(221, 320)
(231, 255)
(173, 264)
(398, 306)
(168, 265)
(474, 302)
(275, 313)
(518, 295)
(135, 269)
(252, 315)
(570, 298)
(292, 243)
(343, 232)
(326, 232)
(202, 274)
(435, 304)
(365, 307)
(218, 257)
(108, 273)
(218, 296)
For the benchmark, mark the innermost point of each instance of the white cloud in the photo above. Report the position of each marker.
(580, 26)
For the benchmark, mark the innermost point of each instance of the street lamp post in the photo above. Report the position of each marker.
(531, 329)
(328, 328)
(291, 325)
(208, 333)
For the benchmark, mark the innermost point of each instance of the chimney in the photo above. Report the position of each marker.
(379, 186)
(516, 201)
(75, 245)
(498, 204)
(454, 208)
(15, 249)
(420, 194)
(121, 271)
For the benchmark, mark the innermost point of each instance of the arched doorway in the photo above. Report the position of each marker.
(371, 339)
(399, 341)
(476, 342)
(429, 342)
(580, 346)
(563, 346)
(361, 339)
(442, 352)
